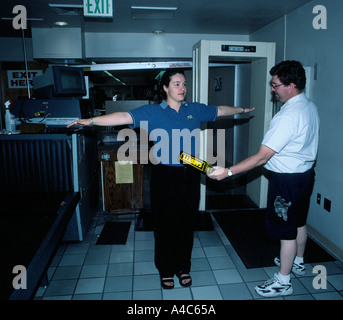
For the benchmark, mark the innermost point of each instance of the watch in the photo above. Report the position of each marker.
(229, 172)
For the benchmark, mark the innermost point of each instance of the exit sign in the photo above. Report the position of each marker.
(98, 8)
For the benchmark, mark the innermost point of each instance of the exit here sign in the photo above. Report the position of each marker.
(98, 8)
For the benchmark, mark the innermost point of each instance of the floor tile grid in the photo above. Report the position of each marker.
(68, 270)
(87, 271)
(303, 285)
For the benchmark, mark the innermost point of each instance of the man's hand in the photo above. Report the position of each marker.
(219, 173)
(256, 160)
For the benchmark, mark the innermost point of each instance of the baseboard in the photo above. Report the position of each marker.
(325, 243)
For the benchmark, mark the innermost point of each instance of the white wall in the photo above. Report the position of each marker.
(113, 46)
(323, 47)
(143, 45)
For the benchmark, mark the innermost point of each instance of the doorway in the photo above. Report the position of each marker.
(251, 63)
(229, 84)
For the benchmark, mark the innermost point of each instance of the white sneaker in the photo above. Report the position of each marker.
(298, 268)
(274, 287)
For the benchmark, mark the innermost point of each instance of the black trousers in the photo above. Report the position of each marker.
(175, 194)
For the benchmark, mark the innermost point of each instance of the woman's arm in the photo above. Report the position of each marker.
(112, 119)
(224, 111)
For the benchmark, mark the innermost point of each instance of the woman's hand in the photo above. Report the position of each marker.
(224, 111)
(80, 122)
(246, 110)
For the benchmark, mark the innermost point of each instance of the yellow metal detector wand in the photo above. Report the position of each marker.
(196, 163)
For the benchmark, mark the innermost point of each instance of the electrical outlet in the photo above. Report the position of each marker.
(327, 205)
(319, 198)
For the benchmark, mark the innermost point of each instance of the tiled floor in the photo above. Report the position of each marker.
(82, 271)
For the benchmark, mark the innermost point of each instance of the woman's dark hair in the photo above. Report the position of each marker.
(165, 80)
(290, 72)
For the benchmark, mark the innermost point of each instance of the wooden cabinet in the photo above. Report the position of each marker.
(116, 195)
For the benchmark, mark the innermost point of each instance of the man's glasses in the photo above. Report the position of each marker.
(274, 86)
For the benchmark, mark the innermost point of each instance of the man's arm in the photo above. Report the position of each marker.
(247, 164)
(112, 119)
(224, 111)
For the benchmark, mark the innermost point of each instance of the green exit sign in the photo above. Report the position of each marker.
(98, 8)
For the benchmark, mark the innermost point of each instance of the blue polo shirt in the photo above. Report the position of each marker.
(171, 131)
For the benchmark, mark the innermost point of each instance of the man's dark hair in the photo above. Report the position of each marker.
(290, 72)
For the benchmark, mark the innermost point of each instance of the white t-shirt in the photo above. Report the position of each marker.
(293, 134)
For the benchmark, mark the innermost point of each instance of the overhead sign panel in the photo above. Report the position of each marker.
(98, 8)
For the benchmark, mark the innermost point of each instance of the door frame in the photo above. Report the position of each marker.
(261, 55)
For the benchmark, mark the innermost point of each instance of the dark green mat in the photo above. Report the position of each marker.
(114, 233)
(245, 229)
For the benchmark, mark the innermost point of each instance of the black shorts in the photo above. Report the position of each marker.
(288, 203)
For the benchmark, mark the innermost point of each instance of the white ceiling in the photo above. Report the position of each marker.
(191, 16)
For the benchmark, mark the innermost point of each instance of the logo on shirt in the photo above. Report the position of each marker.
(190, 117)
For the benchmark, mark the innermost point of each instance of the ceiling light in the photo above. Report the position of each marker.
(61, 23)
(67, 9)
(153, 8)
(158, 31)
(153, 13)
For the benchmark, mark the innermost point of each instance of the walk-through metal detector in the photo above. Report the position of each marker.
(261, 56)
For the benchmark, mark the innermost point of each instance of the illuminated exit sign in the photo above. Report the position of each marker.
(98, 8)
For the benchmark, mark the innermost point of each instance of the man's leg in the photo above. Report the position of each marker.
(301, 241)
(291, 249)
(281, 284)
(288, 252)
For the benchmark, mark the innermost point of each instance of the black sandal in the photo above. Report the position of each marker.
(184, 276)
(164, 282)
